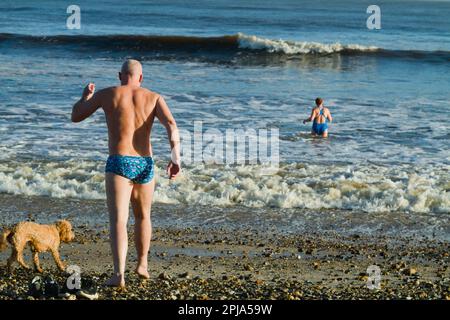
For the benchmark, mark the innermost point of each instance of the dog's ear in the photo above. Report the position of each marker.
(65, 230)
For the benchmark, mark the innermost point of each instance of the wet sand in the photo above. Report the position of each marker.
(221, 263)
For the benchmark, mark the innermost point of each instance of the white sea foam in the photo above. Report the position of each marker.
(295, 47)
(370, 188)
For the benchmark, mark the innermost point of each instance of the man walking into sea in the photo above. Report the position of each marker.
(130, 111)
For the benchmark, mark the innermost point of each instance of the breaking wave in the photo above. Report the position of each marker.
(370, 188)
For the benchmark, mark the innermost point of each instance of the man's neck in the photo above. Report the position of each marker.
(130, 82)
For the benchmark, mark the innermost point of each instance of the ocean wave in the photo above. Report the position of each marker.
(297, 47)
(370, 188)
(229, 48)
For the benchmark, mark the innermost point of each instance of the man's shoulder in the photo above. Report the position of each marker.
(149, 92)
(123, 89)
(108, 91)
(118, 91)
(152, 96)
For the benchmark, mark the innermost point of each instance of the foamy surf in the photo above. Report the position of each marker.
(296, 47)
(365, 188)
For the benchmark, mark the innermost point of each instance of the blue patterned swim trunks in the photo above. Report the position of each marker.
(137, 169)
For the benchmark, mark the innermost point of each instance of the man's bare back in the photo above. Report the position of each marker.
(129, 172)
(130, 112)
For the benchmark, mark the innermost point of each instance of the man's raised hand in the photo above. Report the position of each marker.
(88, 91)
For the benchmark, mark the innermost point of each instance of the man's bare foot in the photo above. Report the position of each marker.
(142, 272)
(116, 281)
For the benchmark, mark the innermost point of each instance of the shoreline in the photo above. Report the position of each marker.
(92, 213)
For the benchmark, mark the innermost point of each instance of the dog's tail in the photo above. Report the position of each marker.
(4, 239)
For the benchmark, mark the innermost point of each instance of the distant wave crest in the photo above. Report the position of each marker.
(296, 47)
(228, 48)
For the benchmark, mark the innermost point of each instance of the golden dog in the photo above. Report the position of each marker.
(42, 238)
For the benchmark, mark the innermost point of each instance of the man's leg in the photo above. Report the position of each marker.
(141, 200)
(118, 192)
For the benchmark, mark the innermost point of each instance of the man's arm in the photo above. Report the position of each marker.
(87, 105)
(165, 117)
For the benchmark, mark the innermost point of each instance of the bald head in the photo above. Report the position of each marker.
(131, 71)
(131, 67)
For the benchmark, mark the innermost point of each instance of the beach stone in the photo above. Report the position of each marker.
(248, 267)
(186, 275)
(164, 276)
(410, 271)
(298, 294)
(399, 266)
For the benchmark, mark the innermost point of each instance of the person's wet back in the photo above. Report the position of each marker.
(320, 116)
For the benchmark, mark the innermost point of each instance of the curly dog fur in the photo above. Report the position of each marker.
(42, 238)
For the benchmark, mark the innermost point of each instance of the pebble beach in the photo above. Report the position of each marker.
(222, 264)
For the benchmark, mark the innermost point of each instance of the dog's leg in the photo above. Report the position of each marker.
(20, 256)
(58, 261)
(11, 259)
(36, 262)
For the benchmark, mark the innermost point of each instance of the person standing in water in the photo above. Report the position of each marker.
(130, 112)
(320, 117)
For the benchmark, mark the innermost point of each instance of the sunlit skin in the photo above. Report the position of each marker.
(130, 111)
(315, 115)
